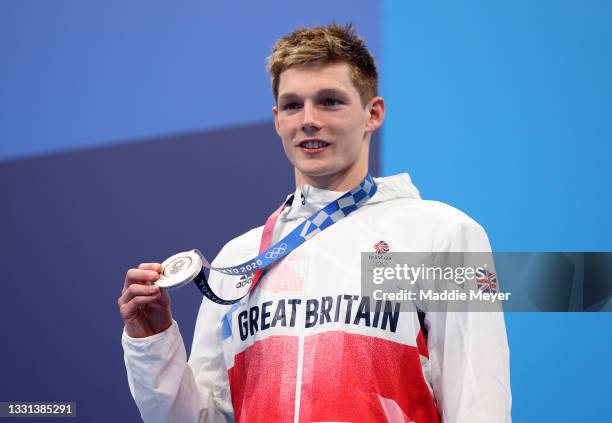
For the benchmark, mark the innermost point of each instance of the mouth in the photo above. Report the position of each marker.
(313, 146)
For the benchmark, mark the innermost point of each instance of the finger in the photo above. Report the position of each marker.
(133, 306)
(137, 290)
(157, 267)
(140, 276)
(164, 298)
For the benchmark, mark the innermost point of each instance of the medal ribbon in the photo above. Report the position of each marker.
(268, 255)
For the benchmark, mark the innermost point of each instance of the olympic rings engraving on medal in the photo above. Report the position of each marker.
(177, 265)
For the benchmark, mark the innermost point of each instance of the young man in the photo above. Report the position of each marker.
(302, 346)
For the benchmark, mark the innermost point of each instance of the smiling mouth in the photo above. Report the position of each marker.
(313, 146)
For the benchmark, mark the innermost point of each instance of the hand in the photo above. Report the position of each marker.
(144, 307)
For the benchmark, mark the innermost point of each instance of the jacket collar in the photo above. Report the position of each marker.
(307, 199)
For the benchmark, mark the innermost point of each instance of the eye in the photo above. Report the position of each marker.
(290, 106)
(331, 102)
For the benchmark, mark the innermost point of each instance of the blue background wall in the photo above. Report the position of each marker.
(504, 110)
(80, 74)
(128, 131)
(106, 108)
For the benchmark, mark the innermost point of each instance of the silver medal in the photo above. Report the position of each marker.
(180, 269)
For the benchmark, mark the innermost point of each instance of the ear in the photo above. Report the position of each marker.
(376, 113)
(275, 113)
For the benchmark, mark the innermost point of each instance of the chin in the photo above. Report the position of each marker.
(316, 172)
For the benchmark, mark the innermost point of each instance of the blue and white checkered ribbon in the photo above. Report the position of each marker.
(319, 221)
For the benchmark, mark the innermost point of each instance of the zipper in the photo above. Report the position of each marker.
(300, 359)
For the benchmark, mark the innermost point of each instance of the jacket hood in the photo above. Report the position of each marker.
(307, 199)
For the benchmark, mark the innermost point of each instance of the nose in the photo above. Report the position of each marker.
(311, 122)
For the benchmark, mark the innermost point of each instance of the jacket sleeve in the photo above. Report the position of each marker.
(468, 351)
(168, 388)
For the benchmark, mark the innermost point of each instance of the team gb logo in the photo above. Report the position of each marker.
(381, 247)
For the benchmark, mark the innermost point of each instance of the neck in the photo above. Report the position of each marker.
(329, 182)
(342, 181)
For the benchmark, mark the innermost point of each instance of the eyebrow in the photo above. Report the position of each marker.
(331, 92)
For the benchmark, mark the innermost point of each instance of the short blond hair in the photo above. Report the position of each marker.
(327, 44)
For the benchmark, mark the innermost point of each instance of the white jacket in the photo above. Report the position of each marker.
(297, 349)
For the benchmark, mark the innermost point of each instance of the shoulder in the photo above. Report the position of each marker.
(444, 226)
(457, 230)
(397, 198)
(444, 214)
(425, 211)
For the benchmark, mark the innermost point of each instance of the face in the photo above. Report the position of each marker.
(323, 125)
